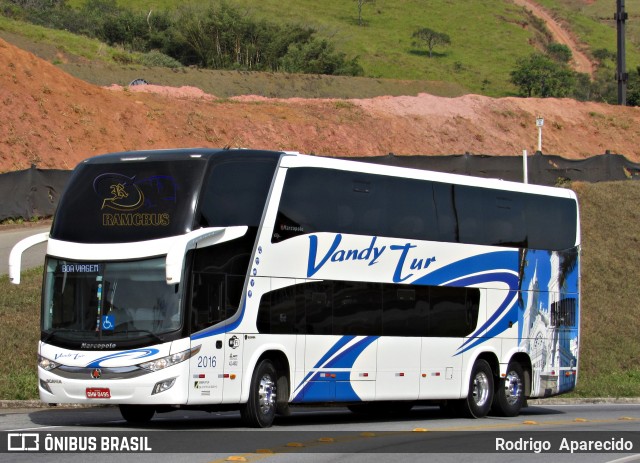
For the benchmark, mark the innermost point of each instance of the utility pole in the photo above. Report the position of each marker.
(621, 74)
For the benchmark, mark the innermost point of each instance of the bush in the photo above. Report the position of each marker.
(156, 58)
(319, 57)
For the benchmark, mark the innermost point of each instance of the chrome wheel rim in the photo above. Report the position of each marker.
(266, 394)
(480, 389)
(512, 387)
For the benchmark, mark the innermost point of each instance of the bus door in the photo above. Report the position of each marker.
(207, 367)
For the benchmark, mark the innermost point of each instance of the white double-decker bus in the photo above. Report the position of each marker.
(257, 280)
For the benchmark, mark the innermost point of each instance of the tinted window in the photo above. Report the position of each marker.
(217, 280)
(318, 301)
(369, 309)
(357, 308)
(236, 192)
(406, 309)
(129, 201)
(551, 222)
(284, 304)
(453, 311)
(490, 217)
(325, 200)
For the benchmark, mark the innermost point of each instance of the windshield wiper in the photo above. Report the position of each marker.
(150, 333)
(50, 334)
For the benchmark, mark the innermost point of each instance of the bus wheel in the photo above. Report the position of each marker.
(260, 409)
(480, 396)
(509, 397)
(137, 414)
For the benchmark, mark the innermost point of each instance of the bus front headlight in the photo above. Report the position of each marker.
(47, 364)
(170, 360)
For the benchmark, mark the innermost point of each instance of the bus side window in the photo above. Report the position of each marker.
(318, 298)
(446, 215)
(207, 300)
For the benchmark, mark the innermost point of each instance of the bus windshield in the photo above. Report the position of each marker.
(109, 302)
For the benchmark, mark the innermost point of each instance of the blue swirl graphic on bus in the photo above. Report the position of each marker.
(316, 388)
(222, 327)
(500, 266)
(131, 354)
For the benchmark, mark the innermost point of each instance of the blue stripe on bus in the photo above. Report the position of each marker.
(343, 341)
(221, 329)
(335, 348)
(132, 354)
(316, 388)
(501, 312)
(500, 266)
(500, 260)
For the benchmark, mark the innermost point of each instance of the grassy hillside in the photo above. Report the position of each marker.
(486, 37)
(583, 14)
(609, 350)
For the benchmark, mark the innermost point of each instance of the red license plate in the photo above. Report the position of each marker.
(98, 393)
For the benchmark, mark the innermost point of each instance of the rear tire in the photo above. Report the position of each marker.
(137, 414)
(509, 397)
(260, 409)
(480, 396)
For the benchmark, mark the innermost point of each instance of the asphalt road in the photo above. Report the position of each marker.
(334, 434)
(33, 257)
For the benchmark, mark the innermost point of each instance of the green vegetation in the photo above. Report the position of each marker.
(66, 42)
(539, 75)
(20, 333)
(486, 37)
(430, 38)
(487, 40)
(609, 350)
(215, 35)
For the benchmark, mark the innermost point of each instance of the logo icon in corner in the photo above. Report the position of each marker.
(234, 342)
(23, 442)
(96, 373)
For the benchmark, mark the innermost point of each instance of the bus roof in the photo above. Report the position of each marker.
(294, 159)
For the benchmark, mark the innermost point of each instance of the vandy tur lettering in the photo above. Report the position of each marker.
(370, 254)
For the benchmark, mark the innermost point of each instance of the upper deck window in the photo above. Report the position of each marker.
(327, 200)
(162, 195)
(129, 201)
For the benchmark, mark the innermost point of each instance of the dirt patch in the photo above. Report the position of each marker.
(560, 34)
(54, 121)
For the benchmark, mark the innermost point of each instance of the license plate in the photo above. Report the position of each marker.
(98, 393)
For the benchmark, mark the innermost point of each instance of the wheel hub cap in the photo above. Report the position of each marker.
(480, 389)
(512, 388)
(267, 394)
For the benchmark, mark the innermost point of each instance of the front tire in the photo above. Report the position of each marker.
(509, 398)
(260, 409)
(480, 396)
(137, 414)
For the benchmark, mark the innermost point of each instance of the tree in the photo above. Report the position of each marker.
(319, 57)
(633, 88)
(430, 38)
(361, 3)
(539, 75)
(559, 52)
